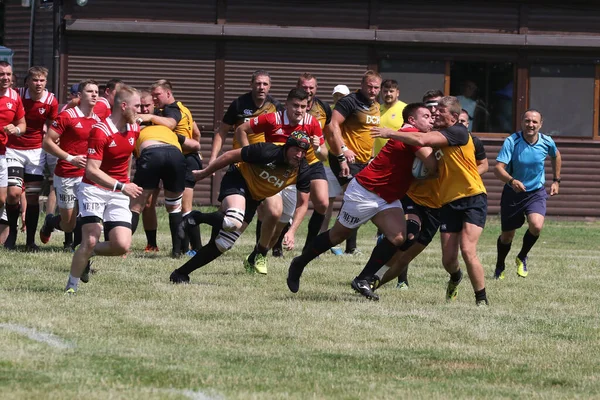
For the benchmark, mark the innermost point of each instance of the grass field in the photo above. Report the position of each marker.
(131, 334)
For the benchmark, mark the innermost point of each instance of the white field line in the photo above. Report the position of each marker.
(42, 337)
(196, 395)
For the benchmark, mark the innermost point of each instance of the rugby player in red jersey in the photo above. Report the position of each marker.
(72, 129)
(105, 190)
(25, 157)
(12, 122)
(375, 195)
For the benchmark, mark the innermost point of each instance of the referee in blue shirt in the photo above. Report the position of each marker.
(520, 165)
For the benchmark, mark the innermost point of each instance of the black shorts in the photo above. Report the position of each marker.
(355, 168)
(472, 209)
(515, 206)
(317, 171)
(193, 162)
(158, 163)
(430, 219)
(234, 183)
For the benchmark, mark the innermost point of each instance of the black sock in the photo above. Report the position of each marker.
(151, 237)
(185, 244)
(456, 277)
(320, 245)
(503, 250)
(135, 220)
(314, 226)
(351, 241)
(32, 215)
(279, 244)
(77, 233)
(213, 218)
(12, 212)
(528, 242)
(174, 221)
(193, 233)
(205, 255)
(54, 221)
(68, 239)
(258, 249)
(381, 254)
(258, 228)
(480, 295)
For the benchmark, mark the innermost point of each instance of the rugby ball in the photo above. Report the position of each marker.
(419, 170)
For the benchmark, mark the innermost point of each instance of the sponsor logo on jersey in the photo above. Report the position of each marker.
(112, 144)
(131, 140)
(439, 154)
(91, 151)
(79, 125)
(9, 106)
(272, 179)
(373, 119)
(42, 110)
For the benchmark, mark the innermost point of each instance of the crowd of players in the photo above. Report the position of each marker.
(283, 156)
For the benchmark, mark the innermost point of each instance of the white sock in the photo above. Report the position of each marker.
(72, 282)
(382, 271)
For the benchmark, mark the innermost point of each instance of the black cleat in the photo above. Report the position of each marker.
(362, 286)
(277, 252)
(32, 248)
(294, 274)
(177, 277)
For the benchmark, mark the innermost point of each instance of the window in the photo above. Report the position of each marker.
(564, 94)
(414, 77)
(485, 91)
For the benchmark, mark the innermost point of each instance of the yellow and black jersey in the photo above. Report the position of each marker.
(361, 115)
(266, 173)
(243, 109)
(321, 111)
(159, 133)
(182, 116)
(457, 166)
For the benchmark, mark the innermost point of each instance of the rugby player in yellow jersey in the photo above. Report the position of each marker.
(256, 171)
(462, 194)
(249, 105)
(177, 117)
(391, 111)
(350, 140)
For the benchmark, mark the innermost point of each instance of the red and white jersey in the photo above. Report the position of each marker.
(389, 175)
(74, 129)
(37, 113)
(11, 110)
(276, 127)
(102, 108)
(113, 148)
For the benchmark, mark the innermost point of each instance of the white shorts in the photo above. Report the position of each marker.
(3, 172)
(51, 161)
(334, 186)
(105, 204)
(32, 161)
(66, 191)
(360, 205)
(289, 197)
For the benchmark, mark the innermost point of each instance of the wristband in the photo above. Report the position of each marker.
(344, 148)
(118, 186)
(18, 131)
(69, 158)
(341, 158)
(510, 182)
(318, 150)
(557, 180)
